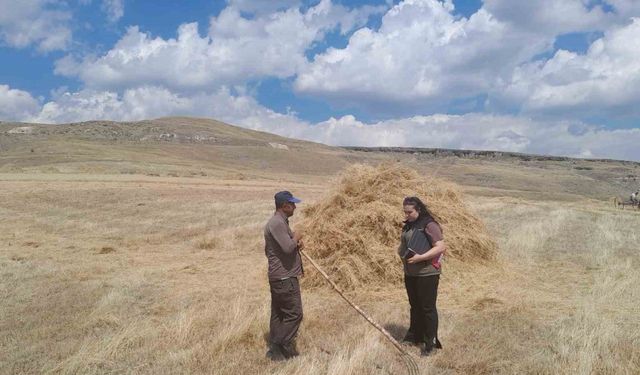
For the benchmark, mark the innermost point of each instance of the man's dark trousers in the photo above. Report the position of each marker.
(286, 314)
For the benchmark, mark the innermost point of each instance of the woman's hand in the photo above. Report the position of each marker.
(417, 258)
(435, 251)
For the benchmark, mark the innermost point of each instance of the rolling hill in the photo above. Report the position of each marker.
(193, 147)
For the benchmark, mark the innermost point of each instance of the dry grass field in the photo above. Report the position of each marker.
(106, 270)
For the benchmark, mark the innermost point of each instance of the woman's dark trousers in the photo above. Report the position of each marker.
(423, 292)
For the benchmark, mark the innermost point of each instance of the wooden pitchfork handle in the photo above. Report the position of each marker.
(408, 360)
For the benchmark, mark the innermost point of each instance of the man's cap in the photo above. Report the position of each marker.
(285, 196)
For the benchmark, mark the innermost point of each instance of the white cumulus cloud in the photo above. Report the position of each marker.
(605, 79)
(425, 59)
(236, 50)
(422, 55)
(16, 104)
(43, 23)
(476, 131)
(624, 8)
(114, 9)
(551, 17)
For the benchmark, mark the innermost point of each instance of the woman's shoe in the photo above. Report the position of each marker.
(437, 344)
(425, 352)
(410, 339)
(428, 350)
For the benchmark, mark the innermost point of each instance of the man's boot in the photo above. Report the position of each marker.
(275, 353)
(289, 350)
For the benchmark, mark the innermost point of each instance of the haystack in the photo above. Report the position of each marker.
(354, 231)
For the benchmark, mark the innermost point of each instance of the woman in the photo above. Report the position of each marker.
(421, 249)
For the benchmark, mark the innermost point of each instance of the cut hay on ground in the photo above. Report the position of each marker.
(354, 231)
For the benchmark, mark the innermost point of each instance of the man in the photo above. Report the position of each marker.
(285, 265)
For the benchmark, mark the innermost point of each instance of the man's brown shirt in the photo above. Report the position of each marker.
(280, 248)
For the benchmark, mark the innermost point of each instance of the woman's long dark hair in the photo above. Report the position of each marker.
(423, 212)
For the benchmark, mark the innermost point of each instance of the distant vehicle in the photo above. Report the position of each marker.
(634, 201)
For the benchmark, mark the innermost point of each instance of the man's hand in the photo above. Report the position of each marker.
(300, 245)
(297, 236)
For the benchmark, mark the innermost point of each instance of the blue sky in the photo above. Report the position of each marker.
(548, 76)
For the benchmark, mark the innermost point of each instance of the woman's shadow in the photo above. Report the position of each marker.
(397, 331)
